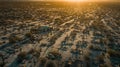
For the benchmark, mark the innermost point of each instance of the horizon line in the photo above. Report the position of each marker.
(57, 1)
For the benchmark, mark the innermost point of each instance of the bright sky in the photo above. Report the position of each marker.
(61, 0)
(76, 0)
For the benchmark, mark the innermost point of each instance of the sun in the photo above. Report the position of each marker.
(76, 0)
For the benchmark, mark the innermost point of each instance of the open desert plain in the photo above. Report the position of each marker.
(73, 33)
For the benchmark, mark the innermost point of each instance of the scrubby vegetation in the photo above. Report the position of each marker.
(59, 34)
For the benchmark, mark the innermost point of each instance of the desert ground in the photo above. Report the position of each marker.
(59, 34)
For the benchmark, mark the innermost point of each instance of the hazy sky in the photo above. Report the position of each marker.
(56, 0)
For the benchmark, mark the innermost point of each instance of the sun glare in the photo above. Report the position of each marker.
(76, 0)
